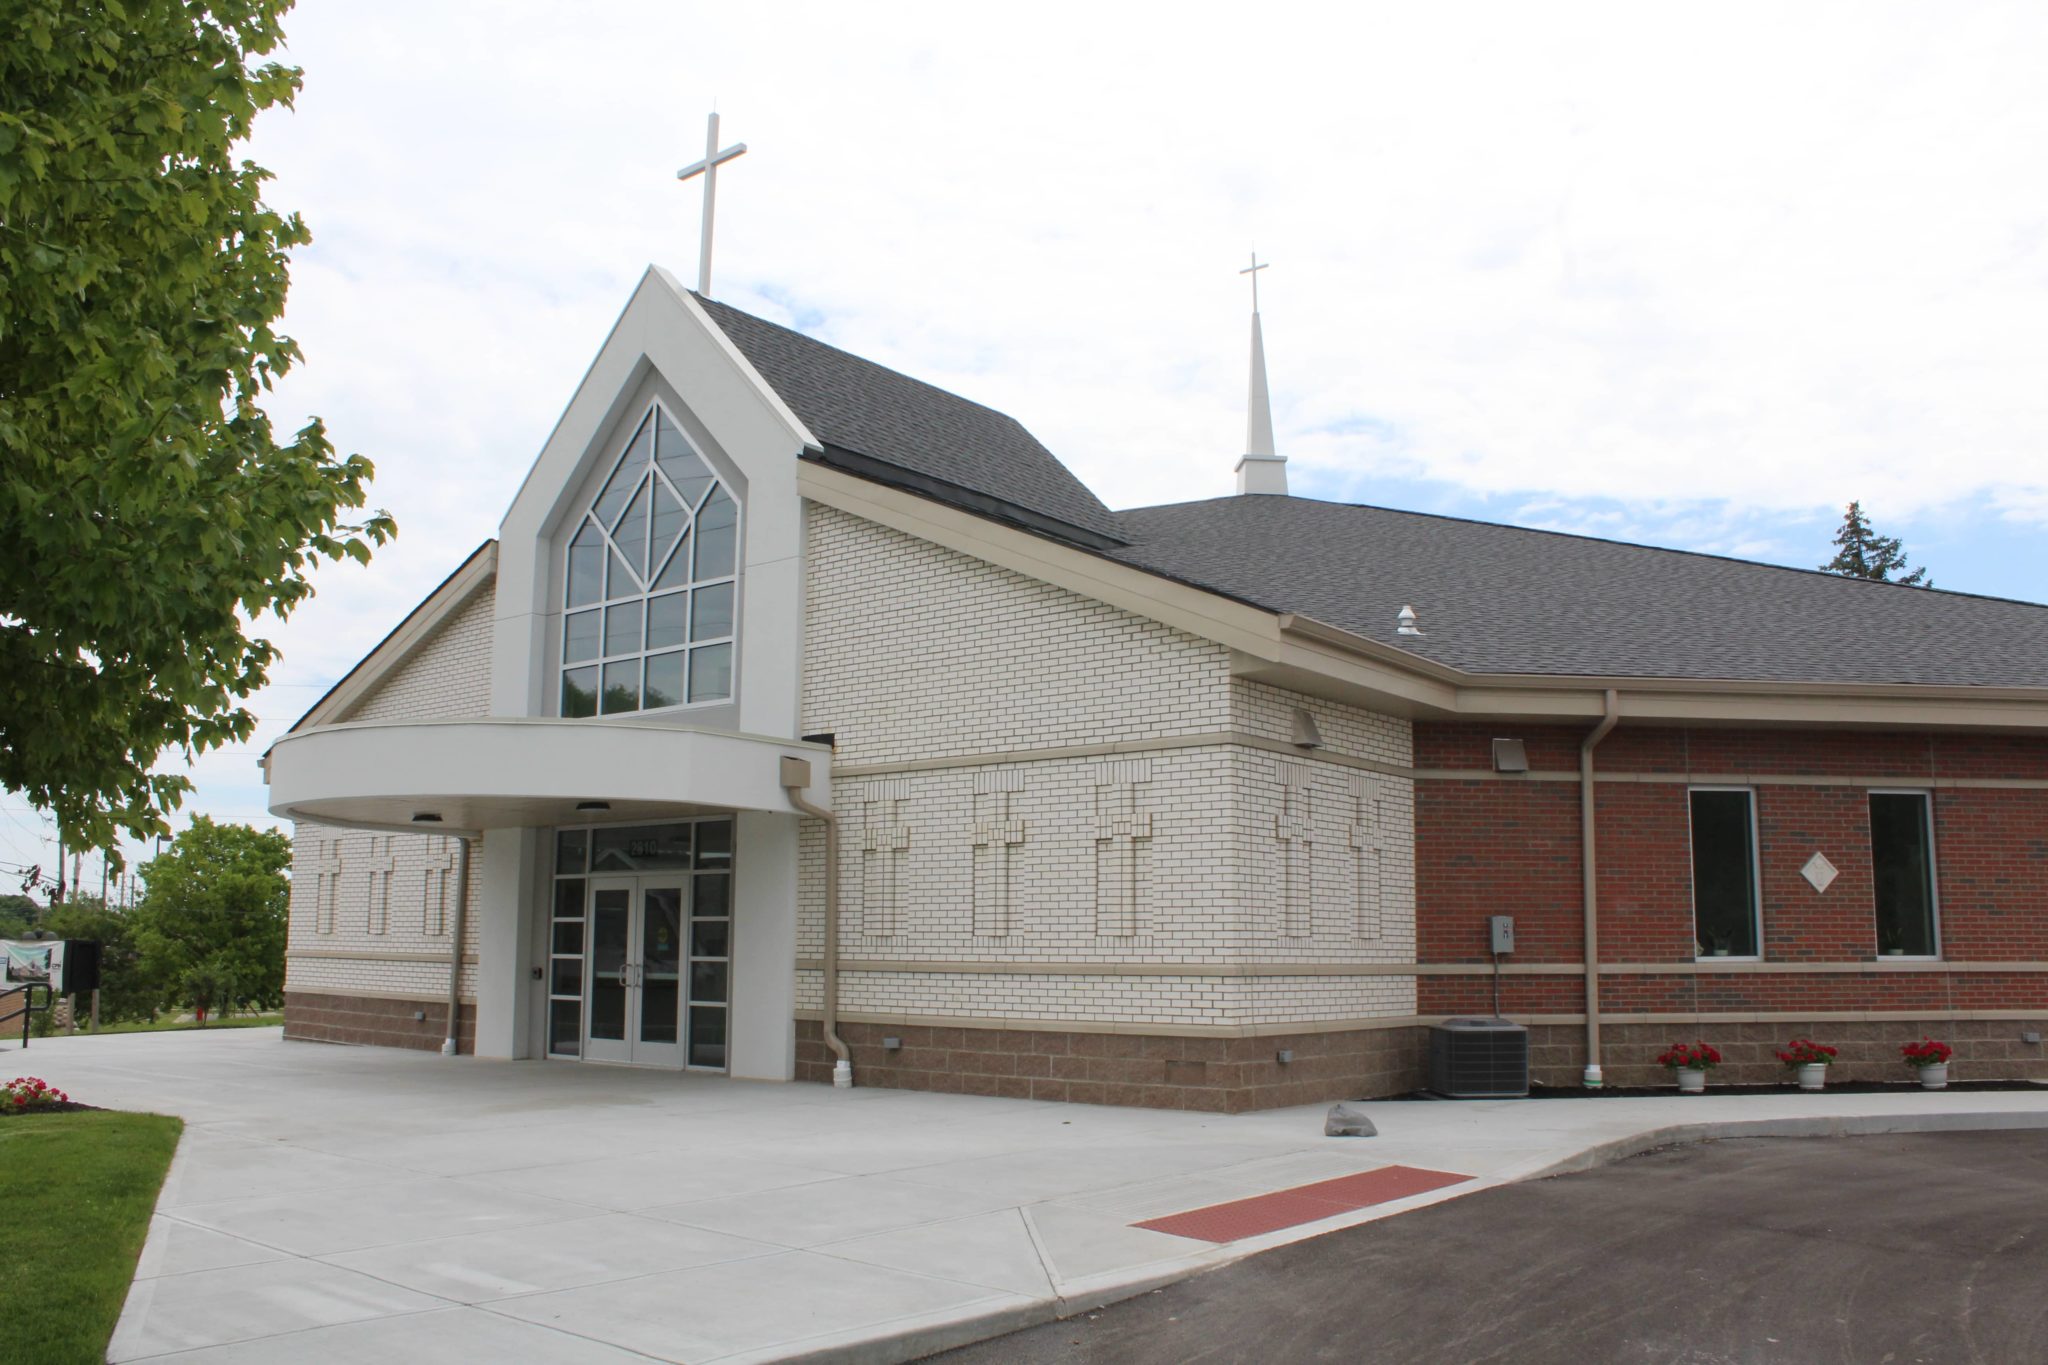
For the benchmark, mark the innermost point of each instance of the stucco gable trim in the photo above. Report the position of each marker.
(422, 624)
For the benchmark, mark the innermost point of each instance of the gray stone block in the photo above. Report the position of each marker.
(1348, 1120)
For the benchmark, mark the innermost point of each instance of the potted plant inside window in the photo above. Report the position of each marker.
(1930, 1058)
(1809, 1061)
(1690, 1062)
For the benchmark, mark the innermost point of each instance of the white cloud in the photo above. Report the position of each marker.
(1752, 259)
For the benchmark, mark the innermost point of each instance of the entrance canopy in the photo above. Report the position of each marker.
(466, 776)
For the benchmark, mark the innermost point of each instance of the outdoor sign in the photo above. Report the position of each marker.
(33, 961)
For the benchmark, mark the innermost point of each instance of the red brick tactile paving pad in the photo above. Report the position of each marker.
(1303, 1204)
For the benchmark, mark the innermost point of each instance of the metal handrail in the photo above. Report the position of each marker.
(28, 1002)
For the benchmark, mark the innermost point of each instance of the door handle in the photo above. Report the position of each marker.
(624, 967)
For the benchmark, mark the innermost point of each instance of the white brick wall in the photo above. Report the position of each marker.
(363, 904)
(447, 677)
(912, 651)
(916, 654)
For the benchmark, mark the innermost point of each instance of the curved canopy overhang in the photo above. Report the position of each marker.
(505, 773)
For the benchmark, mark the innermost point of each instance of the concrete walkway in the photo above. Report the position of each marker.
(338, 1204)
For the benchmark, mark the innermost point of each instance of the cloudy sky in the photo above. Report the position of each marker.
(1694, 276)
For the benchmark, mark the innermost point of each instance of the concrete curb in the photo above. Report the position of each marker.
(892, 1347)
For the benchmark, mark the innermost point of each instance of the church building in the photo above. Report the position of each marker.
(807, 722)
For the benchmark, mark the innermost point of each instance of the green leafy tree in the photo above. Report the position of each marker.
(147, 513)
(1861, 552)
(210, 927)
(18, 915)
(126, 989)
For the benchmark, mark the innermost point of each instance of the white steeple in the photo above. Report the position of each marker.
(1260, 471)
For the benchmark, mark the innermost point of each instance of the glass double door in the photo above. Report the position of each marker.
(636, 970)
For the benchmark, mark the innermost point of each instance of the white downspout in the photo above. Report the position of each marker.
(796, 775)
(1592, 1075)
(452, 1044)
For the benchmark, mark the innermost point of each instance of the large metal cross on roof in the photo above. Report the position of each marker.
(708, 168)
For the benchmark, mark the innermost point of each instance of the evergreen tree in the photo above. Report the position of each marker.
(1862, 553)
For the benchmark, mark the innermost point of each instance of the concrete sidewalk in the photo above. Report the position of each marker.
(362, 1204)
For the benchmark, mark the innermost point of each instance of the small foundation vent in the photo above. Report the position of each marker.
(1479, 1059)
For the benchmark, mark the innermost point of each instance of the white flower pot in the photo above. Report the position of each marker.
(1691, 1081)
(1813, 1077)
(1934, 1077)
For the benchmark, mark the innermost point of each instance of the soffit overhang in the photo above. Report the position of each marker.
(506, 773)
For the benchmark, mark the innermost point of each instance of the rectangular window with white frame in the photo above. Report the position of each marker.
(1902, 874)
(1725, 882)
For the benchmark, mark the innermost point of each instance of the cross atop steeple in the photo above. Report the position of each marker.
(1260, 471)
(708, 168)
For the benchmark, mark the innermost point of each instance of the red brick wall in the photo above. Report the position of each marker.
(1492, 845)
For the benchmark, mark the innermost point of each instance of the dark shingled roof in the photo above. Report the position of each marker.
(876, 422)
(1492, 599)
(1500, 599)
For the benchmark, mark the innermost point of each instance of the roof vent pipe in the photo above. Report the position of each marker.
(1404, 622)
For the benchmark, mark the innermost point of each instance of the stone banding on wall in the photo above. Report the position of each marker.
(376, 1021)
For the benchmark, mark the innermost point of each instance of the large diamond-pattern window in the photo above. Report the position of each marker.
(649, 603)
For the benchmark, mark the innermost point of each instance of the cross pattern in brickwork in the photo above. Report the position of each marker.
(329, 867)
(1121, 833)
(883, 843)
(996, 838)
(434, 889)
(1296, 830)
(1367, 849)
(379, 867)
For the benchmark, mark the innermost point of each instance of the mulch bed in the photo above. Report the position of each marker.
(68, 1107)
(1575, 1092)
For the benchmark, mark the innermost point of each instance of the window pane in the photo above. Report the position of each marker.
(668, 524)
(707, 983)
(711, 673)
(579, 692)
(664, 680)
(714, 843)
(641, 848)
(579, 637)
(630, 535)
(680, 463)
(665, 620)
(677, 573)
(622, 687)
(1723, 874)
(715, 528)
(565, 1027)
(622, 629)
(565, 974)
(569, 937)
(707, 1036)
(711, 612)
(712, 895)
(571, 847)
(620, 486)
(586, 566)
(569, 897)
(620, 583)
(710, 937)
(1902, 866)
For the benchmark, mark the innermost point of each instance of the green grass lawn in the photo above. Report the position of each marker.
(169, 1024)
(76, 1191)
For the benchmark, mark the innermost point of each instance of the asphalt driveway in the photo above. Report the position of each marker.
(1907, 1248)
